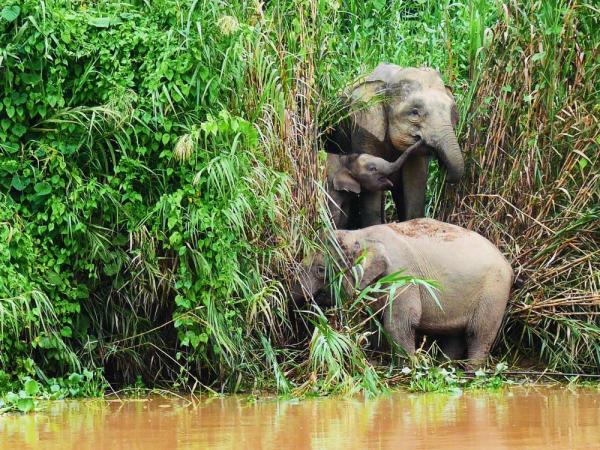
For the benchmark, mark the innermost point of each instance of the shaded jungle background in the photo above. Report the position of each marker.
(159, 168)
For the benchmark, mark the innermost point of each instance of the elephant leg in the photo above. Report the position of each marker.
(454, 347)
(338, 215)
(482, 331)
(478, 349)
(398, 195)
(414, 187)
(353, 219)
(402, 317)
(370, 208)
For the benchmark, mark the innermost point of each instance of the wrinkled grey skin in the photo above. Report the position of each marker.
(475, 282)
(350, 175)
(415, 106)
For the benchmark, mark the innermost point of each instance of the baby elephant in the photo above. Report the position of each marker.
(475, 282)
(349, 175)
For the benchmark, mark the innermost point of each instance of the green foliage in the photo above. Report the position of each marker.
(23, 395)
(427, 377)
(157, 183)
(113, 240)
(339, 361)
(147, 218)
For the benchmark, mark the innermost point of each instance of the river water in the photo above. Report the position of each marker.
(531, 418)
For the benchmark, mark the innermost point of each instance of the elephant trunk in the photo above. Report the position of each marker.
(396, 165)
(448, 151)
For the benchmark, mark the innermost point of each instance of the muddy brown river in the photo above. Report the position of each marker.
(531, 418)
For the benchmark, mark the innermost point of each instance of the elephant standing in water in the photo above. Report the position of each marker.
(474, 277)
(416, 106)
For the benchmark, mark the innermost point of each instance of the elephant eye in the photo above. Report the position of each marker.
(372, 168)
(415, 112)
(320, 271)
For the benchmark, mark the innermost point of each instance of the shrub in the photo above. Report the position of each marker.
(159, 172)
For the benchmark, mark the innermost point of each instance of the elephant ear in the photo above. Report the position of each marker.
(344, 181)
(375, 263)
(368, 113)
(365, 127)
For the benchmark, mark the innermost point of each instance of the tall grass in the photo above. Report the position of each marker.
(161, 163)
(532, 181)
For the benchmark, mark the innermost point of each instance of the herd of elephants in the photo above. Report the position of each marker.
(407, 115)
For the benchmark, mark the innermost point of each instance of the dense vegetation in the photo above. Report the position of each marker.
(158, 168)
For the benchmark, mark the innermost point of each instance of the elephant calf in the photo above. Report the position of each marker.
(349, 175)
(475, 282)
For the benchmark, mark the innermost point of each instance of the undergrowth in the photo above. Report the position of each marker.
(159, 174)
(532, 183)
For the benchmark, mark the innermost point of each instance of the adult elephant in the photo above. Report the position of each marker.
(391, 110)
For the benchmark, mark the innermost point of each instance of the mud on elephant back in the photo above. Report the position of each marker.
(392, 109)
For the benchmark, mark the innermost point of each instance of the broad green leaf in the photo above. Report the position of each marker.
(99, 22)
(378, 4)
(538, 56)
(25, 405)
(32, 387)
(19, 130)
(66, 332)
(19, 183)
(30, 78)
(53, 278)
(104, 22)
(172, 221)
(112, 269)
(10, 13)
(42, 188)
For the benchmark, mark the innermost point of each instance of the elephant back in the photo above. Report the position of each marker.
(410, 78)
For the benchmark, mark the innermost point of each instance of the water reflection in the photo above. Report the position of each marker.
(525, 418)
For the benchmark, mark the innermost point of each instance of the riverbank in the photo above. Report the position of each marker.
(161, 178)
(420, 376)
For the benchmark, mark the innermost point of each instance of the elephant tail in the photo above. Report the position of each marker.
(519, 280)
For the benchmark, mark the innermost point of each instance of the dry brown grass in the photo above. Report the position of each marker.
(533, 180)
